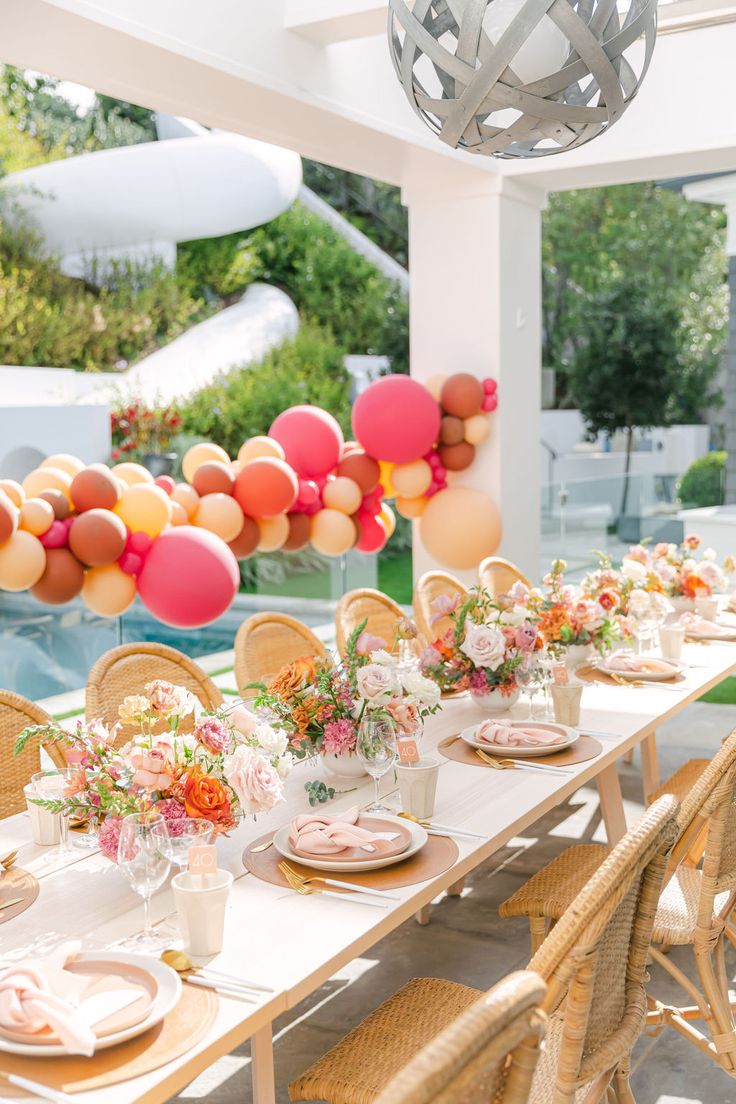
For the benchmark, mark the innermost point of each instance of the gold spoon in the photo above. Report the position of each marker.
(7, 861)
(261, 847)
(182, 963)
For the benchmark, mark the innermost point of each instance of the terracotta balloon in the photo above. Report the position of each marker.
(95, 488)
(36, 516)
(452, 430)
(65, 462)
(9, 518)
(477, 429)
(62, 579)
(214, 477)
(411, 480)
(187, 497)
(22, 561)
(220, 514)
(342, 494)
(266, 487)
(388, 519)
(247, 539)
(332, 532)
(189, 577)
(145, 508)
(59, 503)
(97, 537)
(396, 419)
(179, 516)
(108, 591)
(166, 483)
(274, 532)
(460, 527)
(201, 454)
(373, 534)
(14, 491)
(46, 479)
(411, 508)
(311, 439)
(300, 527)
(131, 474)
(260, 446)
(457, 457)
(462, 395)
(362, 468)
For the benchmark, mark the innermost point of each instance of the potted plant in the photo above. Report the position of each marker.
(144, 433)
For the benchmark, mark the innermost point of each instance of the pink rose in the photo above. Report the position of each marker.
(213, 735)
(153, 767)
(367, 643)
(526, 637)
(405, 715)
(443, 605)
(255, 781)
(242, 720)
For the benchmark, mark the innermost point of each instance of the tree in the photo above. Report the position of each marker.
(624, 374)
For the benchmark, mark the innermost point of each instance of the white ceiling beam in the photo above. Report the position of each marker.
(325, 22)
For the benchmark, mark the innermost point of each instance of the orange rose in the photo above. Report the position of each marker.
(205, 796)
(293, 678)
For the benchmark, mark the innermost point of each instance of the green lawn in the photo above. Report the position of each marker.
(723, 694)
(395, 577)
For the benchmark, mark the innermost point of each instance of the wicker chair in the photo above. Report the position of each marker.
(593, 963)
(433, 585)
(498, 576)
(126, 670)
(381, 613)
(17, 713)
(267, 642)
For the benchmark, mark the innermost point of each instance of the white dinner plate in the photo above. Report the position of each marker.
(672, 668)
(712, 634)
(570, 736)
(322, 862)
(167, 996)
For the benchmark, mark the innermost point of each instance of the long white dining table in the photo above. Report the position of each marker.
(293, 944)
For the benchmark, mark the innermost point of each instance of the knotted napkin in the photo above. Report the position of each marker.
(701, 626)
(621, 661)
(491, 732)
(322, 834)
(35, 995)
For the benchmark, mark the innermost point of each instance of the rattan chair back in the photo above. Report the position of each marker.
(433, 585)
(17, 713)
(497, 575)
(126, 670)
(380, 612)
(267, 642)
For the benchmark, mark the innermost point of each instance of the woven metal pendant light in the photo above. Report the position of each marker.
(520, 78)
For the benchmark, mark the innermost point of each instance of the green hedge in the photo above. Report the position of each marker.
(702, 483)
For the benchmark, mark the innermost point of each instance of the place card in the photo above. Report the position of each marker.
(408, 751)
(203, 859)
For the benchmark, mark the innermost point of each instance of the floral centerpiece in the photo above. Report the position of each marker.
(682, 575)
(230, 764)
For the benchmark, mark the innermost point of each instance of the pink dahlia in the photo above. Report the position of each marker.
(109, 837)
(339, 737)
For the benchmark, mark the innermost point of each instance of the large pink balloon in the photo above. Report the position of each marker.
(311, 438)
(189, 577)
(396, 419)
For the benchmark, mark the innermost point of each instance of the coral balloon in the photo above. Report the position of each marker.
(388, 519)
(247, 539)
(460, 526)
(260, 446)
(435, 384)
(214, 477)
(59, 503)
(220, 514)
(342, 494)
(36, 516)
(457, 457)
(56, 536)
(274, 532)
(462, 395)
(108, 591)
(189, 579)
(386, 482)
(396, 419)
(332, 532)
(145, 508)
(311, 439)
(362, 468)
(46, 479)
(62, 579)
(187, 497)
(22, 561)
(131, 474)
(179, 516)
(477, 429)
(300, 528)
(201, 454)
(266, 487)
(97, 537)
(373, 534)
(411, 480)
(95, 488)
(166, 483)
(411, 508)
(452, 430)
(65, 462)
(14, 491)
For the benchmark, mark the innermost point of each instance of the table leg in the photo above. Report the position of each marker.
(649, 765)
(612, 803)
(262, 1072)
(422, 917)
(456, 889)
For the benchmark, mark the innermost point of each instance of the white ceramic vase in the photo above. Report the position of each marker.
(578, 655)
(495, 702)
(346, 766)
(681, 605)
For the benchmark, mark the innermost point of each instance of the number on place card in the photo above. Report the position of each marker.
(560, 674)
(203, 859)
(408, 751)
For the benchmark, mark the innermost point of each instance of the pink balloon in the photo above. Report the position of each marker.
(165, 482)
(396, 419)
(490, 386)
(490, 403)
(311, 439)
(56, 536)
(130, 563)
(373, 534)
(433, 459)
(189, 577)
(308, 494)
(140, 543)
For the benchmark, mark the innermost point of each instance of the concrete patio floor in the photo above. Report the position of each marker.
(467, 942)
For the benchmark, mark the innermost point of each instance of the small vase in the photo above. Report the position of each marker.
(347, 765)
(495, 702)
(681, 605)
(578, 655)
(160, 463)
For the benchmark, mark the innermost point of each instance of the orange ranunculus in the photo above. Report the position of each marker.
(694, 587)
(205, 796)
(294, 677)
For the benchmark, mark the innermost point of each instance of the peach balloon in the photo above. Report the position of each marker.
(260, 446)
(435, 384)
(333, 533)
(65, 462)
(388, 517)
(274, 532)
(220, 514)
(47, 479)
(131, 473)
(108, 591)
(411, 508)
(411, 480)
(145, 508)
(477, 429)
(179, 516)
(14, 491)
(187, 497)
(9, 517)
(342, 494)
(460, 527)
(200, 454)
(36, 516)
(22, 561)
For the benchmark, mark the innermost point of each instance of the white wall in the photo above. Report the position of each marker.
(29, 433)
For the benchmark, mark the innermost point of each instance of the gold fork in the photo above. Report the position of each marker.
(499, 764)
(304, 886)
(7, 861)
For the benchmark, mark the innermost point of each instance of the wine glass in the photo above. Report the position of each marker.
(142, 860)
(527, 676)
(376, 748)
(51, 785)
(183, 833)
(547, 663)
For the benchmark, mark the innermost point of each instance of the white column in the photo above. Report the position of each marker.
(475, 305)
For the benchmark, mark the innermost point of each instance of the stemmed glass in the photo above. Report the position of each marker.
(142, 860)
(547, 663)
(182, 834)
(376, 748)
(51, 785)
(529, 676)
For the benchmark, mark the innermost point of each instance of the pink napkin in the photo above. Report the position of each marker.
(700, 626)
(38, 994)
(321, 834)
(491, 732)
(621, 661)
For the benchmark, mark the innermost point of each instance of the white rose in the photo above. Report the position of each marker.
(484, 646)
(376, 683)
(639, 604)
(255, 781)
(383, 658)
(709, 554)
(420, 690)
(661, 605)
(514, 616)
(272, 740)
(634, 570)
(689, 566)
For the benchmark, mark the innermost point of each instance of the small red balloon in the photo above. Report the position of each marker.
(373, 535)
(56, 536)
(165, 482)
(130, 563)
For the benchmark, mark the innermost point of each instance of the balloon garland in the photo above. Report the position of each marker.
(109, 533)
